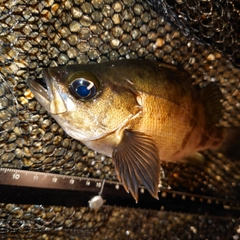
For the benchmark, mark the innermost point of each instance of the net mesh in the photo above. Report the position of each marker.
(37, 34)
(216, 23)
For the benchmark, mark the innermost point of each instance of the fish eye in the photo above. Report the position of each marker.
(84, 87)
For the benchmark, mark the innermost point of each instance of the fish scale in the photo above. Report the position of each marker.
(175, 133)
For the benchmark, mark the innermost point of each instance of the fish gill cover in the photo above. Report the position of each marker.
(34, 35)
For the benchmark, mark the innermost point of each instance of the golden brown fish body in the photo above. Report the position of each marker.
(139, 112)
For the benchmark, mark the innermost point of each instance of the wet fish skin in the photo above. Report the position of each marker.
(142, 113)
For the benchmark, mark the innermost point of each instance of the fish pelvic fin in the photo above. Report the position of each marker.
(136, 160)
(231, 143)
(211, 96)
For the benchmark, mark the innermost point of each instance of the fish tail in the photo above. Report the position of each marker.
(230, 146)
(231, 143)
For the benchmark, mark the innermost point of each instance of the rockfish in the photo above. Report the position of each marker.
(138, 112)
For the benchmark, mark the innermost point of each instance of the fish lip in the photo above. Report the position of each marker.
(37, 88)
(49, 76)
(41, 89)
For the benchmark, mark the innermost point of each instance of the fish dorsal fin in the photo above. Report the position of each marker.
(212, 95)
(137, 162)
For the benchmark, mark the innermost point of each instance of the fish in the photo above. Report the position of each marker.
(138, 112)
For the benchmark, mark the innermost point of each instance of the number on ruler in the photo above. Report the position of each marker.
(71, 181)
(54, 180)
(16, 176)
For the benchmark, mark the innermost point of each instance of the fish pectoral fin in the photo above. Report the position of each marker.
(136, 160)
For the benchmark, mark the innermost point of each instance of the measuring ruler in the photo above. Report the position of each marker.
(31, 187)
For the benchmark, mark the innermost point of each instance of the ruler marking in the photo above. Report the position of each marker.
(26, 178)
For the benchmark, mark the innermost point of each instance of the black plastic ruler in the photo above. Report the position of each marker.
(31, 187)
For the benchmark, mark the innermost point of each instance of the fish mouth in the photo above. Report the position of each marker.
(39, 88)
(42, 82)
